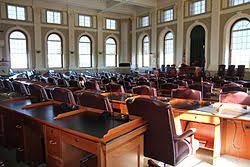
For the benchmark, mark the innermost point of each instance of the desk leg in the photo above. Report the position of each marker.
(101, 158)
(217, 143)
(177, 122)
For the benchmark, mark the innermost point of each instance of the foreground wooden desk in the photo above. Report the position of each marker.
(67, 140)
(224, 133)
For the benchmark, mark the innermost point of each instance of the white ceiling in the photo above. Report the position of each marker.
(128, 7)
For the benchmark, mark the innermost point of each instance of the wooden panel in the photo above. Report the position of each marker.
(80, 143)
(53, 141)
(200, 118)
(52, 162)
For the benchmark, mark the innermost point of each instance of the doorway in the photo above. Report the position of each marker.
(197, 47)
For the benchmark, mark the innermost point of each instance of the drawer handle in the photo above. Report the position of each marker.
(52, 142)
(19, 149)
(18, 126)
(77, 140)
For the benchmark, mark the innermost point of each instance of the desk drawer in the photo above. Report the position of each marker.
(80, 143)
(53, 141)
(200, 118)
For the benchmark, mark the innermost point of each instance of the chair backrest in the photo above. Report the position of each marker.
(37, 91)
(74, 83)
(159, 137)
(8, 85)
(235, 97)
(221, 70)
(63, 95)
(113, 87)
(231, 87)
(20, 88)
(207, 87)
(92, 85)
(231, 70)
(241, 71)
(168, 86)
(172, 72)
(185, 93)
(144, 90)
(52, 81)
(93, 100)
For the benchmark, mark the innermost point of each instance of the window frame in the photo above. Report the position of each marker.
(62, 49)
(116, 51)
(164, 45)
(111, 19)
(141, 21)
(51, 10)
(191, 6)
(230, 40)
(163, 14)
(25, 12)
(27, 49)
(91, 51)
(232, 1)
(91, 20)
(149, 49)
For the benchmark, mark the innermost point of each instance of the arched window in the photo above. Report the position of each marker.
(168, 57)
(18, 50)
(240, 43)
(85, 51)
(54, 45)
(145, 51)
(111, 52)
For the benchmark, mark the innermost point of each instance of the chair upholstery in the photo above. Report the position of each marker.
(231, 87)
(166, 88)
(240, 71)
(62, 83)
(92, 85)
(74, 83)
(20, 88)
(52, 81)
(231, 71)
(144, 90)
(162, 145)
(235, 97)
(207, 88)
(185, 93)
(113, 87)
(221, 70)
(8, 85)
(37, 91)
(94, 100)
(63, 95)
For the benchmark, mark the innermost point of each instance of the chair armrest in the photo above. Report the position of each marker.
(186, 134)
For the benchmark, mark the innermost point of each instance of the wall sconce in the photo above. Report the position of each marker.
(99, 53)
(38, 51)
(71, 52)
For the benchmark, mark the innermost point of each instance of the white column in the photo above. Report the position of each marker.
(124, 41)
(72, 51)
(133, 58)
(39, 41)
(213, 59)
(180, 33)
(154, 39)
(100, 53)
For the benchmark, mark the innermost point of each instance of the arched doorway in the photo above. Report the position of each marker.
(197, 47)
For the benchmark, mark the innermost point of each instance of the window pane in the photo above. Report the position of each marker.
(53, 17)
(54, 51)
(110, 24)
(169, 48)
(238, 2)
(57, 17)
(85, 52)
(49, 17)
(146, 51)
(18, 50)
(111, 52)
(240, 43)
(168, 15)
(198, 7)
(84, 21)
(11, 12)
(20, 13)
(145, 21)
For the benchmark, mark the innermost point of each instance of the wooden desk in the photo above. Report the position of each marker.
(67, 140)
(224, 133)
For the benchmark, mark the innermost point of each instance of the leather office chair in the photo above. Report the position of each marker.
(240, 71)
(20, 88)
(185, 93)
(113, 87)
(160, 140)
(235, 97)
(8, 85)
(52, 81)
(62, 83)
(221, 70)
(231, 87)
(93, 100)
(37, 91)
(144, 90)
(63, 95)
(92, 85)
(207, 89)
(166, 88)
